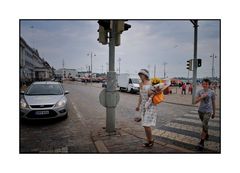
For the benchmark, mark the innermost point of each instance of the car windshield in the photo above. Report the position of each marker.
(45, 89)
(134, 80)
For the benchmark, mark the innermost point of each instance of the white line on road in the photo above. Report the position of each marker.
(79, 115)
(185, 139)
(192, 128)
(197, 116)
(215, 124)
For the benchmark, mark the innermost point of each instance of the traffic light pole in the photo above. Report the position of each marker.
(111, 82)
(195, 25)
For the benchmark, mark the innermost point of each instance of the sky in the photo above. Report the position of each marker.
(146, 44)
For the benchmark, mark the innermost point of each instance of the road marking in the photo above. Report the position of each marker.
(215, 124)
(192, 128)
(185, 139)
(79, 115)
(196, 116)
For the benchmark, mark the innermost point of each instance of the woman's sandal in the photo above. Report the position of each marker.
(137, 119)
(148, 144)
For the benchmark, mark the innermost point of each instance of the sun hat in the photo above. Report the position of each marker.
(144, 72)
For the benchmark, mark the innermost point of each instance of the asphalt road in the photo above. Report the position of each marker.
(85, 115)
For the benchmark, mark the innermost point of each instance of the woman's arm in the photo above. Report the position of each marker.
(139, 99)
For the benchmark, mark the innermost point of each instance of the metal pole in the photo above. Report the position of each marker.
(155, 70)
(63, 69)
(195, 25)
(164, 64)
(213, 70)
(111, 81)
(91, 68)
(119, 60)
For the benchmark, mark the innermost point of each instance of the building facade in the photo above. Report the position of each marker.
(32, 66)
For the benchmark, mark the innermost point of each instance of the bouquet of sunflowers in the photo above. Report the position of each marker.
(156, 95)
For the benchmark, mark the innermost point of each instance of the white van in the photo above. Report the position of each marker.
(129, 83)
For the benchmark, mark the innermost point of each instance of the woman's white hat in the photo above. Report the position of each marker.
(144, 72)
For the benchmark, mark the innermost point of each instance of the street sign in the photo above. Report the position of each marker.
(113, 98)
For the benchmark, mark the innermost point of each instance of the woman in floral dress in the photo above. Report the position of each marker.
(149, 115)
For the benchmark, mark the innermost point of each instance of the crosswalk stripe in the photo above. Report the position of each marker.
(192, 128)
(216, 118)
(195, 124)
(185, 139)
(196, 111)
(215, 124)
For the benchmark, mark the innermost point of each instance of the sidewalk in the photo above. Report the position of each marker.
(128, 140)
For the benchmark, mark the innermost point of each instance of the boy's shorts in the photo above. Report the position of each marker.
(204, 116)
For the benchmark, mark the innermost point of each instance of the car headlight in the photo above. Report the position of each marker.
(23, 104)
(61, 102)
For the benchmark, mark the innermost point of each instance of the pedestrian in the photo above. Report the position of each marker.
(148, 116)
(190, 89)
(184, 89)
(206, 109)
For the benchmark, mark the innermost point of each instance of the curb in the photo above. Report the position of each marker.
(100, 146)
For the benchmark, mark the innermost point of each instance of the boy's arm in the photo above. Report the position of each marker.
(198, 99)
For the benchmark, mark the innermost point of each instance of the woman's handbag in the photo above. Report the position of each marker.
(158, 98)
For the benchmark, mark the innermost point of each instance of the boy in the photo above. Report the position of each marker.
(206, 97)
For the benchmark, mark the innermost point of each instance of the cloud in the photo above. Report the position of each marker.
(145, 44)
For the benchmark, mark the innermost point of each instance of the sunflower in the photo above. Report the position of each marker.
(156, 80)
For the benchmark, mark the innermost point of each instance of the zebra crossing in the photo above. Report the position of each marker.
(185, 132)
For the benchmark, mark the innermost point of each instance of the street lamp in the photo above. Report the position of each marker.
(213, 56)
(164, 64)
(91, 55)
(119, 60)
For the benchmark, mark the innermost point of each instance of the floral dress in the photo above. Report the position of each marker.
(149, 115)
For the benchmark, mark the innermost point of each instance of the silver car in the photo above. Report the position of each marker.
(44, 100)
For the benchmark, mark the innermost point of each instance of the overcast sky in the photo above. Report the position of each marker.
(145, 44)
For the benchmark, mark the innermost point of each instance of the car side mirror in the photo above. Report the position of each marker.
(66, 92)
(22, 92)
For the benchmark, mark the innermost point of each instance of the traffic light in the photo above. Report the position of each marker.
(104, 28)
(103, 35)
(120, 27)
(189, 64)
(199, 62)
(105, 24)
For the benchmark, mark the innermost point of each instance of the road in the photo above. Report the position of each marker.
(176, 124)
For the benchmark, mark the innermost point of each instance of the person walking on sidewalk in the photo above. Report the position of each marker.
(190, 88)
(148, 116)
(206, 97)
(184, 86)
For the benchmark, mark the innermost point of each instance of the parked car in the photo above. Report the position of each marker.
(44, 100)
(58, 79)
(104, 84)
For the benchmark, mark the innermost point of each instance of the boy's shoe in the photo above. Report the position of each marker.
(200, 146)
(207, 137)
